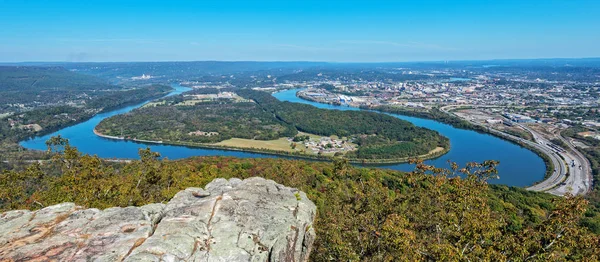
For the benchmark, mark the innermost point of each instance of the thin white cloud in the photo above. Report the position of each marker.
(300, 47)
(372, 42)
(411, 44)
(109, 40)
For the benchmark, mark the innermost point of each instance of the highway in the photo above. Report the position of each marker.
(580, 180)
(571, 162)
(572, 171)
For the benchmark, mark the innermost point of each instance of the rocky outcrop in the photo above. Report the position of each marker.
(230, 220)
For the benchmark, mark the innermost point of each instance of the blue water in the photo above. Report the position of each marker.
(518, 166)
(459, 79)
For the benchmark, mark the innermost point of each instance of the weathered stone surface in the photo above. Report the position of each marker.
(236, 220)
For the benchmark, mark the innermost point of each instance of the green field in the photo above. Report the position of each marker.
(4, 115)
(156, 103)
(281, 144)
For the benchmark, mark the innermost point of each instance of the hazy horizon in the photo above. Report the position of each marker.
(310, 61)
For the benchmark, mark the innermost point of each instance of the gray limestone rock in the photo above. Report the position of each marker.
(229, 220)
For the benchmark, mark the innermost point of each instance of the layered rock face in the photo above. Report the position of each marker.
(236, 220)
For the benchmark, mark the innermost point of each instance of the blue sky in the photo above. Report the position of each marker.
(339, 31)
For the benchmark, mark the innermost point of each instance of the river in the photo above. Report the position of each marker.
(518, 166)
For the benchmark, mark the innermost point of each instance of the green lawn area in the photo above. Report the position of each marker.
(281, 144)
(4, 115)
(162, 102)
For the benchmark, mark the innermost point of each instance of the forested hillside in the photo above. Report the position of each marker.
(33, 86)
(363, 214)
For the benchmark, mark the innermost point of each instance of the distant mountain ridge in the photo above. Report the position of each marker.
(55, 78)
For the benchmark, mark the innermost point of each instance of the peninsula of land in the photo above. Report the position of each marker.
(254, 121)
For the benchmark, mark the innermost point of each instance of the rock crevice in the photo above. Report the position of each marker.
(229, 220)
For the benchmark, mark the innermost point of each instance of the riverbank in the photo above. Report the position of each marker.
(12, 147)
(123, 138)
(559, 178)
(435, 153)
(447, 118)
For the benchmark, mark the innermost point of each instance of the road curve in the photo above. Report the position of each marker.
(572, 171)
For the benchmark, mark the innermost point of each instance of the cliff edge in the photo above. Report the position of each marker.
(229, 220)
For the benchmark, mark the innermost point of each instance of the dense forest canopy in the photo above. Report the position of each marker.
(23, 78)
(363, 214)
(183, 123)
(393, 137)
(118, 99)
